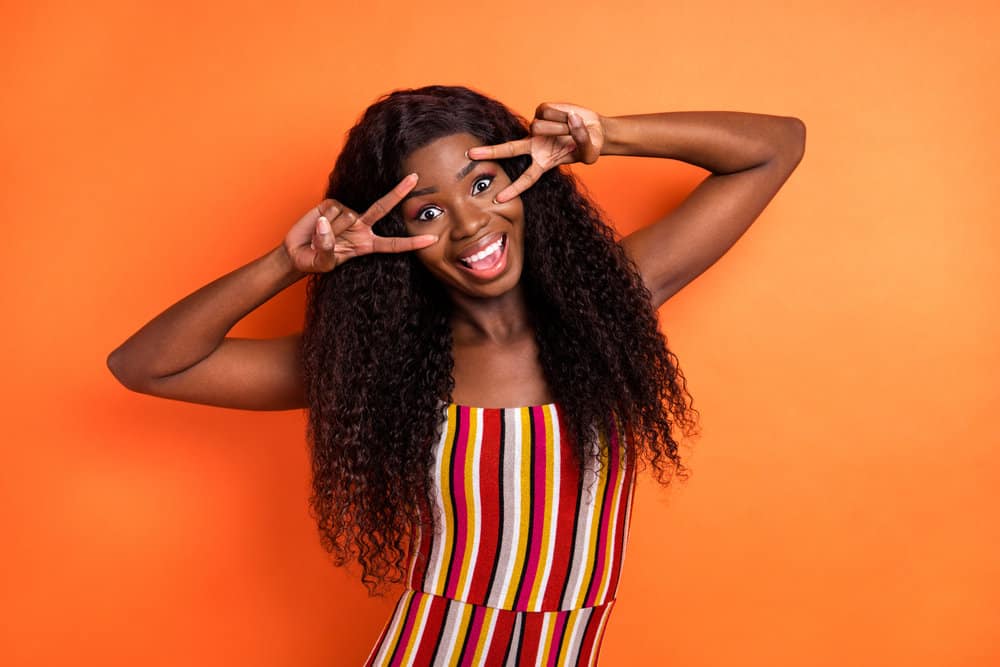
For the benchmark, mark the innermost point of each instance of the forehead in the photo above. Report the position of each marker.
(442, 156)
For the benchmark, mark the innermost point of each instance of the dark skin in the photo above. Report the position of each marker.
(184, 353)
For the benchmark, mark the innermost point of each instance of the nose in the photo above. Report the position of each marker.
(469, 219)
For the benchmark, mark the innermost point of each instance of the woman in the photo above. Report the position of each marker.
(480, 360)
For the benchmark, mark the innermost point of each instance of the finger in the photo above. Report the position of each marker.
(344, 220)
(548, 128)
(387, 202)
(501, 151)
(581, 136)
(524, 181)
(550, 111)
(402, 243)
(323, 236)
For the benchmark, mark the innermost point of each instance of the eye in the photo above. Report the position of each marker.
(428, 214)
(481, 184)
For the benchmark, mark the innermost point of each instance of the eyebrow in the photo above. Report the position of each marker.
(463, 172)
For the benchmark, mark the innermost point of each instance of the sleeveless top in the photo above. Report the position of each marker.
(520, 557)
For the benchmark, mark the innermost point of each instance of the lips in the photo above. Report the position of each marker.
(485, 260)
(484, 253)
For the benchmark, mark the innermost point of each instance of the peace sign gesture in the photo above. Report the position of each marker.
(330, 233)
(560, 134)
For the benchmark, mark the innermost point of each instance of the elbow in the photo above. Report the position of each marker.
(797, 138)
(122, 371)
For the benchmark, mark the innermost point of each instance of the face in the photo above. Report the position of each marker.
(480, 247)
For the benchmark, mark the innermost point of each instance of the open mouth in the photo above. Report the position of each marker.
(489, 261)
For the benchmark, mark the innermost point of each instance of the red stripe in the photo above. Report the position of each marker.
(613, 473)
(569, 483)
(538, 471)
(621, 528)
(432, 630)
(489, 496)
(461, 516)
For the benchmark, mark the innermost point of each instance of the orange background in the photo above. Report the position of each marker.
(843, 355)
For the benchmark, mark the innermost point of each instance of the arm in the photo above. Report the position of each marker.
(750, 157)
(183, 353)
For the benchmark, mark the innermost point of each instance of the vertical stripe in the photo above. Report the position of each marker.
(514, 647)
(403, 612)
(491, 593)
(441, 478)
(607, 518)
(456, 471)
(391, 632)
(516, 556)
(414, 632)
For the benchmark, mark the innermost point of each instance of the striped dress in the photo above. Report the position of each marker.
(520, 562)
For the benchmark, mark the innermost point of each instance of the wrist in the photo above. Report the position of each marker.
(616, 135)
(284, 265)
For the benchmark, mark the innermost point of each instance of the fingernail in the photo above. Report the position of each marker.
(324, 225)
(495, 201)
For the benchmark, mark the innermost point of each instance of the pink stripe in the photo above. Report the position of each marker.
(404, 638)
(460, 510)
(560, 623)
(478, 614)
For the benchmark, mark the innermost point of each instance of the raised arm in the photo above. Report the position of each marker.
(184, 354)
(750, 157)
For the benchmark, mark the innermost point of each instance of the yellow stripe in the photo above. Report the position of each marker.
(448, 538)
(404, 604)
(469, 509)
(546, 640)
(418, 622)
(595, 520)
(477, 658)
(525, 490)
(548, 525)
(612, 524)
(462, 629)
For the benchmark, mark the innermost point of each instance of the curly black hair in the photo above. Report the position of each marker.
(376, 344)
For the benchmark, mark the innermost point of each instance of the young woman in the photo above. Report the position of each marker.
(481, 361)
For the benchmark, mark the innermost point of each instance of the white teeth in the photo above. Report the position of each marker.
(485, 252)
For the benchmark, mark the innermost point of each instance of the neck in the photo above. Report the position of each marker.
(497, 320)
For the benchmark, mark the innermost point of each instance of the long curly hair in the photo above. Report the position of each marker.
(376, 344)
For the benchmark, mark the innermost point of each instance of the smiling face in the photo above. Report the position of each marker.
(480, 248)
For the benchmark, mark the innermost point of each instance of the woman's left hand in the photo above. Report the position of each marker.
(560, 134)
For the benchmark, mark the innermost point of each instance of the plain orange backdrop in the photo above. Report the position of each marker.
(843, 507)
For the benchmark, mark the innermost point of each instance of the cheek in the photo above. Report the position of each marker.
(430, 255)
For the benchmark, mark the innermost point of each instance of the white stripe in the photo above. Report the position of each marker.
(515, 642)
(452, 622)
(434, 562)
(476, 514)
(581, 549)
(512, 509)
(551, 522)
(609, 547)
(599, 634)
(542, 636)
(580, 619)
(628, 518)
(387, 640)
(488, 642)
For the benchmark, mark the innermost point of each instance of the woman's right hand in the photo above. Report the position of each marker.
(330, 233)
